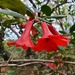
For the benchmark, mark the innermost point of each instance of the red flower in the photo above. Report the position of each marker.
(30, 18)
(22, 25)
(54, 32)
(61, 63)
(33, 29)
(48, 41)
(51, 65)
(24, 41)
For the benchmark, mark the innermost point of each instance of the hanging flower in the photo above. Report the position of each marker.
(54, 32)
(24, 41)
(33, 29)
(48, 41)
(54, 65)
(51, 65)
(22, 25)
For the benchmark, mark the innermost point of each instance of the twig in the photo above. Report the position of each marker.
(8, 65)
(25, 64)
(31, 60)
(59, 5)
(14, 31)
(10, 56)
(32, 3)
(41, 60)
(32, 63)
(17, 54)
(47, 2)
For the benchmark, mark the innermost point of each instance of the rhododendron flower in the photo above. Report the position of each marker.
(31, 18)
(22, 26)
(48, 41)
(54, 32)
(24, 41)
(51, 65)
(59, 60)
(33, 29)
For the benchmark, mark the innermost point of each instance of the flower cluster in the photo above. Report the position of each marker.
(49, 41)
(55, 65)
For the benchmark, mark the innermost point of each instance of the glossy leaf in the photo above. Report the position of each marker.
(46, 10)
(70, 55)
(16, 5)
(62, 32)
(72, 28)
(7, 23)
(29, 11)
(10, 12)
(60, 47)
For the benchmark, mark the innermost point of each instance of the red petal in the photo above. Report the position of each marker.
(33, 29)
(45, 44)
(51, 65)
(40, 45)
(53, 30)
(10, 43)
(51, 46)
(59, 41)
(24, 41)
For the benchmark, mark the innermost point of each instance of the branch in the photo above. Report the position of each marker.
(25, 64)
(47, 2)
(32, 3)
(59, 5)
(41, 60)
(32, 62)
(8, 65)
(14, 31)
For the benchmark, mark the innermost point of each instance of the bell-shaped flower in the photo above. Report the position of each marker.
(33, 29)
(24, 41)
(48, 41)
(54, 32)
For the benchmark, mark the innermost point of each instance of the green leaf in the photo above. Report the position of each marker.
(60, 47)
(7, 23)
(46, 10)
(12, 72)
(16, 5)
(10, 12)
(70, 55)
(57, 17)
(38, 2)
(29, 11)
(62, 32)
(72, 28)
(44, 20)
